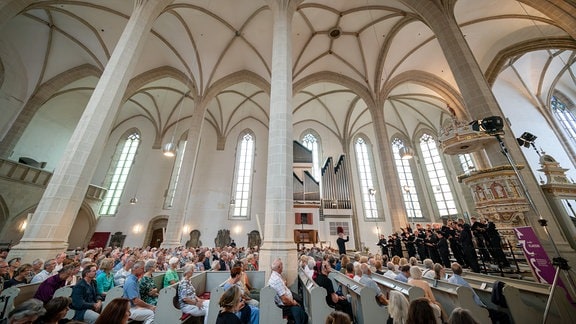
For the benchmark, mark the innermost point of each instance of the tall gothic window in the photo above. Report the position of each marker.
(118, 173)
(243, 179)
(171, 193)
(437, 175)
(404, 171)
(310, 141)
(564, 116)
(363, 158)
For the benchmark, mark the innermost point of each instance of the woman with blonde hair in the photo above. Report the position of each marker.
(117, 311)
(397, 307)
(230, 302)
(105, 278)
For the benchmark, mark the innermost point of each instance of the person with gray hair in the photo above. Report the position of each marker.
(190, 303)
(284, 297)
(47, 272)
(171, 276)
(367, 281)
(398, 307)
(428, 269)
(148, 290)
(139, 309)
(27, 312)
(391, 273)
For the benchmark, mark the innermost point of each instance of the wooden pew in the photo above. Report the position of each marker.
(65, 291)
(7, 301)
(26, 292)
(269, 311)
(116, 292)
(410, 292)
(314, 298)
(166, 312)
(363, 300)
(451, 296)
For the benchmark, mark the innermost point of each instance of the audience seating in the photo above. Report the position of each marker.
(363, 300)
(7, 299)
(269, 311)
(314, 298)
(409, 291)
(65, 291)
(26, 292)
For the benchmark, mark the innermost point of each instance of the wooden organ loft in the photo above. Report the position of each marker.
(314, 205)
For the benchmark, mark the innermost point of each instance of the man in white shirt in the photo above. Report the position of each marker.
(284, 298)
(47, 272)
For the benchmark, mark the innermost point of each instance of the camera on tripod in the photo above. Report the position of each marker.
(493, 125)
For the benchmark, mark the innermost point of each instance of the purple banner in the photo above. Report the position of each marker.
(537, 258)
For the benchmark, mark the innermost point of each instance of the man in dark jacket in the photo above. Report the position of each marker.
(85, 298)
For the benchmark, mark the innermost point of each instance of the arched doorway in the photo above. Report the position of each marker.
(155, 233)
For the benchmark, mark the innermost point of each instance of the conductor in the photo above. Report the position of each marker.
(341, 241)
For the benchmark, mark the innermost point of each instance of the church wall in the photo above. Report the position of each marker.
(212, 186)
(524, 117)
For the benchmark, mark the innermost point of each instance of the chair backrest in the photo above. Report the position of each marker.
(7, 301)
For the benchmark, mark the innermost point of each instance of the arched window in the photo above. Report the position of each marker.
(311, 142)
(118, 172)
(243, 180)
(404, 171)
(170, 194)
(466, 162)
(363, 158)
(564, 116)
(437, 175)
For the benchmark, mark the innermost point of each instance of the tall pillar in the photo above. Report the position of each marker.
(177, 214)
(278, 242)
(480, 103)
(49, 228)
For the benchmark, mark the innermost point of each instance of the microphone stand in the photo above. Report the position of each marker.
(559, 262)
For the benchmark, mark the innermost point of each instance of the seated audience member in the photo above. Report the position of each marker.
(37, 267)
(148, 290)
(412, 261)
(404, 273)
(60, 258)
(367, 281)
(337, 317)
(85, 298)
(350, 270)
(247, 313)
(117, 311)
(13, 264)
(56, 310)
(123, 273)
(378, 267)
(397, 307)
(391, 272)
(47, 272)
(304, 265)
(284, 297)
(332, 298)
(20, 276)
(461, 316)
(171, 276)
(47, 288)
(105, 278)
(3, 271)
(439, 272)
(421, 312)
(457, 279)
(139, 310)
(230, 302)
(417, 281)
(428, 269)
(27, 312)
(189, 302)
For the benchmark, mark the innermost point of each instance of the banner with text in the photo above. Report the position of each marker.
(537, 258)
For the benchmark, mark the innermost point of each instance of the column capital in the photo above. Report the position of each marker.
(283, 5)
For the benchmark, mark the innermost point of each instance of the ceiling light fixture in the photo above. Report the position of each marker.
(406, 153)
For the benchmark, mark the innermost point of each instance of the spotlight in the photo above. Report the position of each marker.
(526, 139)
(492, 125)
(406, 153)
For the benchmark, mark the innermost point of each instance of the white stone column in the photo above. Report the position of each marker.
(48, 231)
(279, 213)
(177, 214)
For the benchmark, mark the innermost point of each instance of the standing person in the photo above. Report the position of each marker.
(85, 298)
(443, 249)
(284, 298)
(409, 241)
(453, 237)
(479, 232)
(468, 249)
(341, 241)
(495, 245)
(383, 244)
(139, 310)
(420, 244)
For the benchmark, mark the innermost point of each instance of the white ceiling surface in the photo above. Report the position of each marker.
(212, 39)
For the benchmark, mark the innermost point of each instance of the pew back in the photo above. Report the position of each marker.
(7, 301)
(363, 299)
(314, 298)
(410, 292)
(269, 312)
